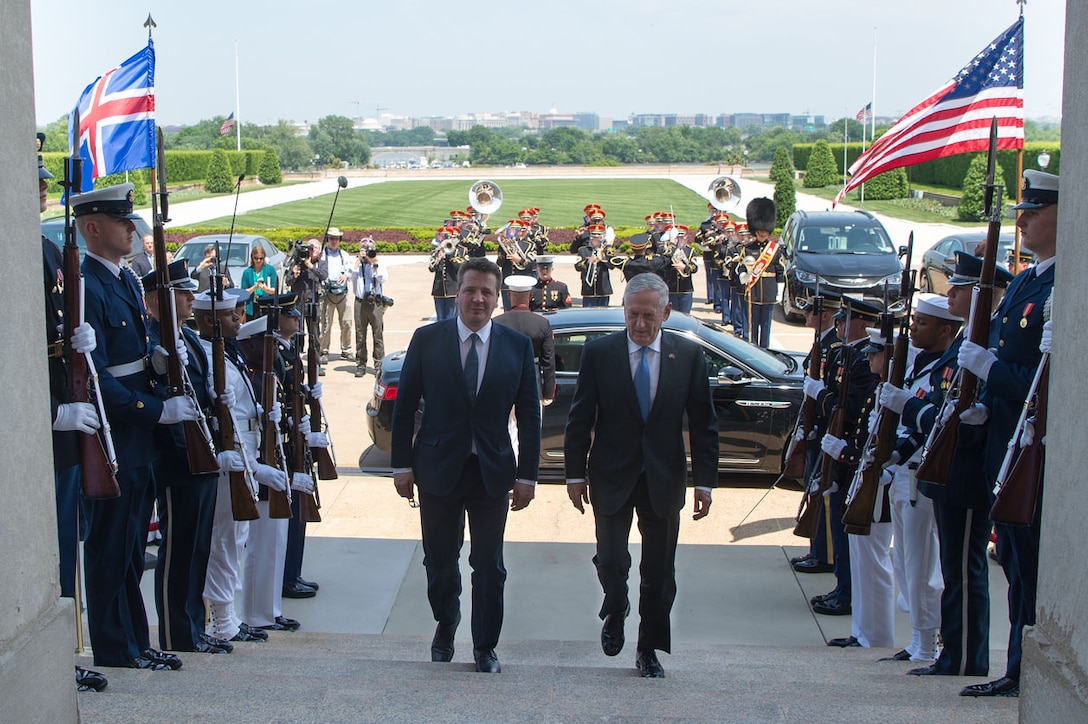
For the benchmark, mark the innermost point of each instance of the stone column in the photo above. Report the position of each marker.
(1055, 680)
(36, 626)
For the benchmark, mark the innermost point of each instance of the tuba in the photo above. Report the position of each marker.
(724, 193)
(485, 197)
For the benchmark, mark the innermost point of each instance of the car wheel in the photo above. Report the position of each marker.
(788, 312)
(923, 283)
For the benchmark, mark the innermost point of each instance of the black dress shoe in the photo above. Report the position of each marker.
(1002, 687)
(823, 597)
(87, 680)
(486, 661)
(282, 623)
(930, 670)
(200, 647)
(311, 584)
(612, 632)
(159, 657)
(297, 590)
(832, 607)
(648, 666)
(813, 566)
(797, 559)
(217, 642)
(845, 642)
(901, 655)
(442, 643)
(255, 632)
(248, 636)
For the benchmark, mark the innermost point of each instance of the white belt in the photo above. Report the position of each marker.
(129, 368)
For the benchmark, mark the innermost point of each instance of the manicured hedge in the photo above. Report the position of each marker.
(181, 167)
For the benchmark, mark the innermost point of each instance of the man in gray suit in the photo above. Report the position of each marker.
(626, 420)
(470, 373)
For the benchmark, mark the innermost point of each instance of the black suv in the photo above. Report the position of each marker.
(850, 251)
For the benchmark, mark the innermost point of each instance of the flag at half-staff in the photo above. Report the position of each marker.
(956, 118)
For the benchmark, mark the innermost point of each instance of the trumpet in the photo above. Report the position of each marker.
(596, 256)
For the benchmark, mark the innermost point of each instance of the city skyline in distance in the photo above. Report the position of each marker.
(617, 59)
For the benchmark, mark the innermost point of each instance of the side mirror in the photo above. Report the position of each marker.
(732, 376)
(903, 252)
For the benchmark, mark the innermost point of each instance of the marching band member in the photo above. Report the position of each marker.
(681, 266)
(444, 265)
(593, 264)
(761, 281)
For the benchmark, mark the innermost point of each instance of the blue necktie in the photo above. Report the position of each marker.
(472, 367)
(642, 384)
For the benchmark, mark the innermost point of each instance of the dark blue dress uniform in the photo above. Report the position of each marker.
(117, 529)
(186, 506)
(821, 547)
(1015, 332)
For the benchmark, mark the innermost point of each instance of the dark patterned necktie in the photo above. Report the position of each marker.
(472, 367)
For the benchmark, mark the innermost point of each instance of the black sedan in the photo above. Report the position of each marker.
(939, 262)
(756, 392)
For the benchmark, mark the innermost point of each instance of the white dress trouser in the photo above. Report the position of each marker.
(917, 563)
(262, 579)
(224, 563)
(872, 598)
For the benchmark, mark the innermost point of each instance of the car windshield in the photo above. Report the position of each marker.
(844, 239)
(194, 252)
(761, 360)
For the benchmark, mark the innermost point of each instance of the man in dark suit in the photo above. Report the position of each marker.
(144, 263)
(117, 531)
(462, 458)
(634, 388)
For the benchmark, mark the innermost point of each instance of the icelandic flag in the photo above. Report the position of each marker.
(117, 119)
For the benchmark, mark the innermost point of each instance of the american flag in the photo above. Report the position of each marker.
(227, 125)
(117, 119)
(956, 119)
(865, 114)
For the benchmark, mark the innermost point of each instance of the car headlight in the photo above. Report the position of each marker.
(892, 280)
(805, 277)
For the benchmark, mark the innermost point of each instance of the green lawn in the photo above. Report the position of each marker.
(918, 210)
(408, 204)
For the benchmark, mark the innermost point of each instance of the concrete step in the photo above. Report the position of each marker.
(318, 677)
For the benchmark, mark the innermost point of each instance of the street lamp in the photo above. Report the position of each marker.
(1044, 160)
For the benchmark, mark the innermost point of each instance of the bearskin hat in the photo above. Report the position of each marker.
(760, 214)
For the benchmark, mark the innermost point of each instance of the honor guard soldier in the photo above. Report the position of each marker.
(117, 534)
(185, 501)
(536, 328)
(761, 279)
(961, 510)
(1017, 333)
(594, 262)
(68, 417)
(549, 294)
(681, 257)
(706, 239)
(444, 264)
(855, 315)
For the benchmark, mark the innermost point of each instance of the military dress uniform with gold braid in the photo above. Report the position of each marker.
(444, 287)
(547, 297)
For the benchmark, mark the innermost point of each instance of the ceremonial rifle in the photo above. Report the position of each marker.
(97, 458)
(279, 501)
(302, 462)
(940, 447)
(326, 462)
(198, 440)
(808, 516)
(797, 453)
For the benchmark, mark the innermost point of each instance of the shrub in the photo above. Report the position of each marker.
(972, 204)
(782, 165)
(270, 173)
(220, 177)
(889, 185)
(821, 170)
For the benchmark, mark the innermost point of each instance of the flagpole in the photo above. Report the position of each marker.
(237, 101)
(845, 141)
(872, 113)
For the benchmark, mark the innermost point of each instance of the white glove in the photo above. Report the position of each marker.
(546, 401)
(228, 397)
(833, 446)
(812, 387)
(78, 416)
(1044, 342)
(799, 434)
(1027, 435)
(304, 425)
(159, 356)
(270, 477)
(179, 409)
(894, 398)
(314, 392)
(886, 477)
(275, 414)
(83, 339)
(946, 413)
(976, 359)
(302, 482)
(317, 439)
(874, 419)
(976, 414)
(893, 460)
(230, 461)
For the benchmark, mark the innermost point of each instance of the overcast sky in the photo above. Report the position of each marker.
(304, 60)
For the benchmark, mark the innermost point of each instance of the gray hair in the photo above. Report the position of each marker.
(647, 282)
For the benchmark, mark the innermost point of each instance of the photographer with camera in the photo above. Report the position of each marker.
(335, 299)
(203, 271)
(306, 274)
(368, 280)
